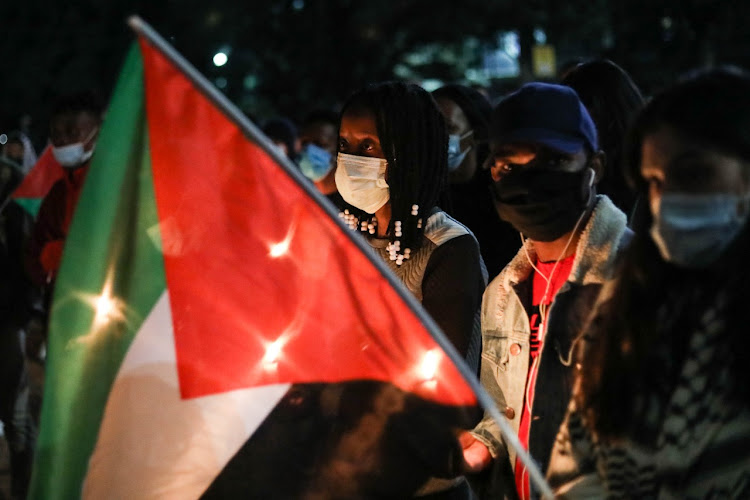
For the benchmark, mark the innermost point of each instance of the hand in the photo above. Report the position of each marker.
(476, 455)
(51, 256)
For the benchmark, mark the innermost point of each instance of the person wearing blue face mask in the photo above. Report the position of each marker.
(467, 116)
(317, 158)
(661, 402)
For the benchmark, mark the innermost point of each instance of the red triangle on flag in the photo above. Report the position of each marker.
(45, 172)
(265, 287)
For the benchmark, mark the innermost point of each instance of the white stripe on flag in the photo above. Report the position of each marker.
(152, 444)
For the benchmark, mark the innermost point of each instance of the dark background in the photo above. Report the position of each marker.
(289, 56)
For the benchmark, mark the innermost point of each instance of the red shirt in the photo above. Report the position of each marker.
(542, 293)
(52, 225)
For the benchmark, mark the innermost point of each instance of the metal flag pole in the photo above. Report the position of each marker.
(252, 132)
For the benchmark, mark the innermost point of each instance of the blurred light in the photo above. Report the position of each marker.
(418, 58)
(220, 59)
(511, 44)
(3, 138)
(499, 64)
(107, 307)
(221, 82)
(431, 84)
(666, 22)
(540, 36)
(273, 352)
(279, 249)
(402, 71)
(298, 4)
(250, 82)
(429, 365)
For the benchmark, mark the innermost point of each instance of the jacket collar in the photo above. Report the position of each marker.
(595, 253)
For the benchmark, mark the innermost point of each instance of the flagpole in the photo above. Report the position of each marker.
(254, 133)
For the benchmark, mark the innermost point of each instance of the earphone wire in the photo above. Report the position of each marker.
(543, 310)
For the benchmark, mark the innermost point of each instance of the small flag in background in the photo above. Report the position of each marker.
(216, 332)
(37, 183)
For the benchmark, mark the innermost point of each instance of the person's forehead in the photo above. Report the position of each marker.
(452, 111)
(317, 129)
(14, 147)
(512, 148)
(661, 146)
(80, 119)
(666, 153)
(360, 122)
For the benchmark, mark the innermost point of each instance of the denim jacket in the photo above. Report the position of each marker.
(506, 333)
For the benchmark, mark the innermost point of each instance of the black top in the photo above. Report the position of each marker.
(452, 289)
(473, 206)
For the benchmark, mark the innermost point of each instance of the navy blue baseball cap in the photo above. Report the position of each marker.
(547, 114)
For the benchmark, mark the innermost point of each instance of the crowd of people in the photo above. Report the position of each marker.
(580, 245)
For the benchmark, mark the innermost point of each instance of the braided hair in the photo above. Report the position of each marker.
(414, 140)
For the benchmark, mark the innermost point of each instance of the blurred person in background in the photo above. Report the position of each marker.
(661, 404)
(467, 114)
(74, 128)
(317, 159)
(612, 99)
(18, 298)
(14, 149)
(11, 166)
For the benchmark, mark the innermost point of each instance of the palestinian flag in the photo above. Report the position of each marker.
(218, 332)
(37, 183)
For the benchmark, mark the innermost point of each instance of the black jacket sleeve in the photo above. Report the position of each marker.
(452, 289)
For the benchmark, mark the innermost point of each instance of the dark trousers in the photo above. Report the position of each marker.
(18, 425)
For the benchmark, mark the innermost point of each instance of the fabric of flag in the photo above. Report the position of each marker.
(37, 183)
(216, 333)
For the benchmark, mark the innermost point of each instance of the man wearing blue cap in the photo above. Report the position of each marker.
(545, 163)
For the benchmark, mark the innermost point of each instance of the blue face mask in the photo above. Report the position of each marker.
(692, 231)
(315, 162)
(455, 155)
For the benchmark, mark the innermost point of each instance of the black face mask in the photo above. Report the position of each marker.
(543, 204)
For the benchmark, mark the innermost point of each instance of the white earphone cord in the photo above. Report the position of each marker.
(542, 306)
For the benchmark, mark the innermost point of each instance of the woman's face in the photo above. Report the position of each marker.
(674, 165)
(458, 124)
(358, 134)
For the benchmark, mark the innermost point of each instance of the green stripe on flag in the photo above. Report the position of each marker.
(31, 205)
(112, 246)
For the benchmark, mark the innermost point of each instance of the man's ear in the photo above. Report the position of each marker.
(598, 163)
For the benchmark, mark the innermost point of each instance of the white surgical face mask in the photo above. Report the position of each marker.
(73, 155)
(361, 181)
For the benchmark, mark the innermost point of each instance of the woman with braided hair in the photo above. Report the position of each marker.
(392, 169)
(661, 405)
